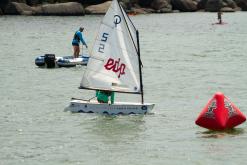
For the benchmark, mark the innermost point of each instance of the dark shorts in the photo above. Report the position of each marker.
(75, 44)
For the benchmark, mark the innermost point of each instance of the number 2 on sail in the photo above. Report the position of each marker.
(102, 45)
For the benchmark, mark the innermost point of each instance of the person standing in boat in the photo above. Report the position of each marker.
(103, 96)
(220, 17)
(78, 37)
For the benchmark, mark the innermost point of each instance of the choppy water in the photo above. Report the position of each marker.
(186, 60)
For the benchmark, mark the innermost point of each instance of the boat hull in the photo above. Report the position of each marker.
(117, 108)
(69, 61)
(66, 61)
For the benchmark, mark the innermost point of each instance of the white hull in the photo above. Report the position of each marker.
(112, 109)
(66, 61)
(69, 61)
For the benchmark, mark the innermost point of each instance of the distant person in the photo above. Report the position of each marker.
(219, 17)
(103, 96)
(78, 36)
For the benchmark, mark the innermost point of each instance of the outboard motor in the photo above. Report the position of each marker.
(50, 60)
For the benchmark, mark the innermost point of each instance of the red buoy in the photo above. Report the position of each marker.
(220, 114)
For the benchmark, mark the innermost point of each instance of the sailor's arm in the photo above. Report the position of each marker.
(82, 39)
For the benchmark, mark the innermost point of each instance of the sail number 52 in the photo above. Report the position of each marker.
(104, 38)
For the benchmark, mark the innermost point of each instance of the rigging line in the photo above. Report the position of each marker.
(130, 21)
(127, 27)
(83, 99)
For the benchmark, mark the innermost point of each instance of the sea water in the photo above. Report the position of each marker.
(186, 60)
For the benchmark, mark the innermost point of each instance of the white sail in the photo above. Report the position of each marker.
(131, 28)
(114, 61)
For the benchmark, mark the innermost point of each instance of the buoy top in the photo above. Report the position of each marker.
(219, 97)
(219, 94)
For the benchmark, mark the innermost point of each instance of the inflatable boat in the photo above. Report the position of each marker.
(51, 61)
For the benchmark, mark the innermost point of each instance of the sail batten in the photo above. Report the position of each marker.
(114, 62)
(113, 45)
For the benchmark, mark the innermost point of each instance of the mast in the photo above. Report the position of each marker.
(140, 68)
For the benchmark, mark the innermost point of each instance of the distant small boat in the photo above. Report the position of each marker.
(220, 22)
(51, 61)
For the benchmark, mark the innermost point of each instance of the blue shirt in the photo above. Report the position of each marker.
(78, 37)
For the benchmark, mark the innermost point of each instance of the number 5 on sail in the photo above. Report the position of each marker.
(114, 66)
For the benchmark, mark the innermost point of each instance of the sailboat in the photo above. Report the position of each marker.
(114, 65)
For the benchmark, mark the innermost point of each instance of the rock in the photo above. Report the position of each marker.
(19, 1)
(92, 2)
(98, 9)
(201, 4)
(37, 10)
(126, 4)
(242, 4)
(145, 3)
(132, 1)
(216, 5)
(27, 13)
(227, 9)
(34, 2)
(159, 4)
(3, 4)
(135, 11)
(213, 5)
(229, 4)
(1, 13)
(184, 5)
(14, 8)
(164, 10)
(149, 10)
(162, 6)
(61, 9)
(175, 11)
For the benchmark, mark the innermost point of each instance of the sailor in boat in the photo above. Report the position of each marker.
(103, 96)
(78, 36)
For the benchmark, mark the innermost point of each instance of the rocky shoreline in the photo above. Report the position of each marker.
(82, 7)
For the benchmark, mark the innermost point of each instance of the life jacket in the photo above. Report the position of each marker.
(76, 37)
